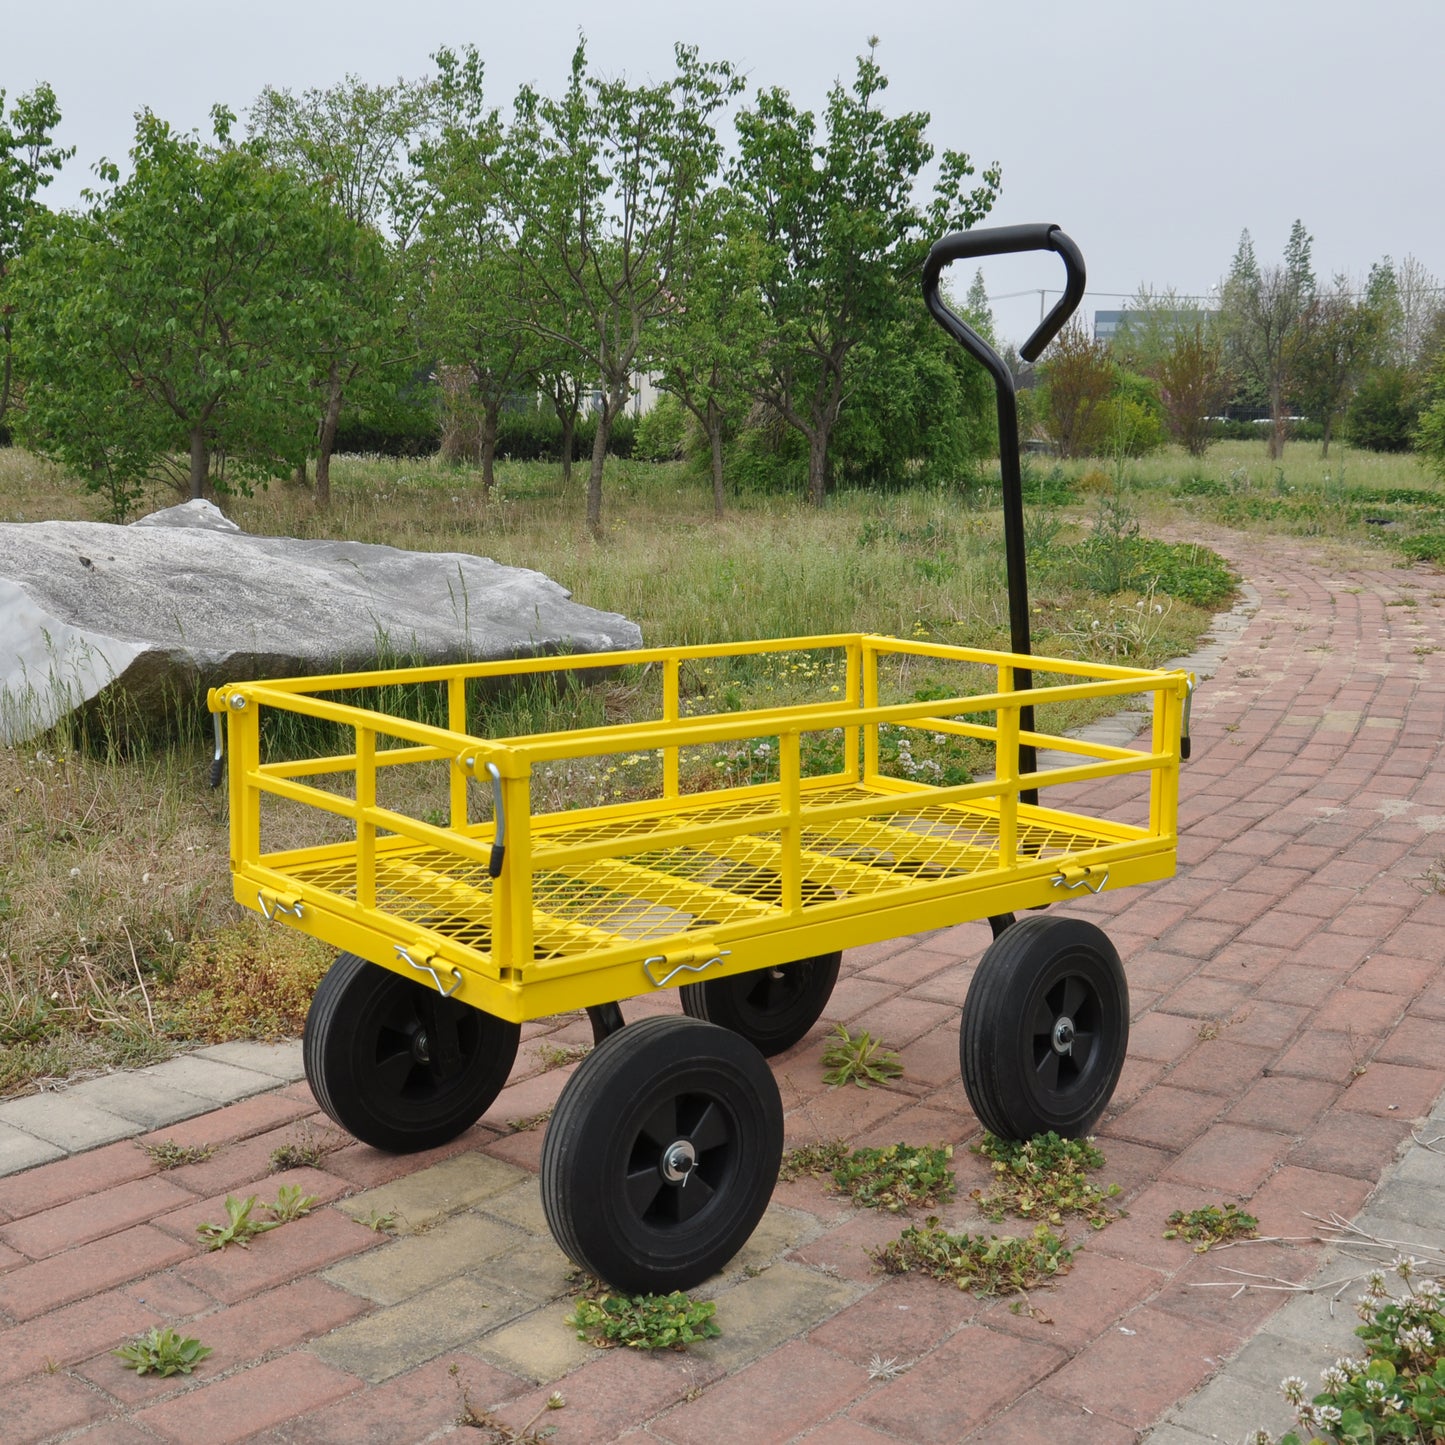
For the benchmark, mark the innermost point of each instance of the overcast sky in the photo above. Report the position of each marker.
(1152, 131)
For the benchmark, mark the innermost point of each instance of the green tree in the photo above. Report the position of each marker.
(1078, 380)
(477, 305)
(28, 159)
(1383, 413)
(1266, 314)
(709, 343)
(1430, 433)
(603, 187)
(843, 237)
(1343, 339)
(184, 312)
(352, 143)
(1193, 382)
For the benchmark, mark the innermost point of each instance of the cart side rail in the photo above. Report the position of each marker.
(533, 887)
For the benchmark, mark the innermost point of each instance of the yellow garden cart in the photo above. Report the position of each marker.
(742, 853)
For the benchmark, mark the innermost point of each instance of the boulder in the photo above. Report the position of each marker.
(183, 600)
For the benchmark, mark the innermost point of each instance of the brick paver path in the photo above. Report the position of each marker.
(1288, 990)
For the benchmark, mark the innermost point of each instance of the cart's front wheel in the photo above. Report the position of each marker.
(772, 1008)
(395, 1063)
(1045, 1028)
(661, 1154)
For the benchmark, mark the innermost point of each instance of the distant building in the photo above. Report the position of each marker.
(1107, 324)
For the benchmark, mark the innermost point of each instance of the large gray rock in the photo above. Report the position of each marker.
(184, 599)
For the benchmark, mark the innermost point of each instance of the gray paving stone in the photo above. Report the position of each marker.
(1172, 1434)
(1406, 1207)
(540, 1346)
(536, 1269)
(19, 1150)
(150, 1102)
(1306, 1320)
(419, 1329)
(210, 1079)
(281, 1061)
(776, 1306)
(1424, 1166)
(1230, 1408)
(419, 1200)
(419, 1262)
(70, 1124)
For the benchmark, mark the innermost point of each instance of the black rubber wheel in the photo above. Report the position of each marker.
(661, 1154)
(1045, 1028)
(772, 1008)
(395, 1063)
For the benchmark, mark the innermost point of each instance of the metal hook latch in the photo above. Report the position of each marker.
(216, 769)
(291, 907)
(499, 811)
(1071, 879)
(662, 982)
(427, 969)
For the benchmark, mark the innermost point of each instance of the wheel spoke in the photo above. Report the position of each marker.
(692, 1198)
(393, 1070)
(711, 1129)
(760, 995)
(1074, 995)
(444, 1038)
(1046, 1071)
(642, 1186)
(1083, 1046)
(1044, 1020)
(660, 1127)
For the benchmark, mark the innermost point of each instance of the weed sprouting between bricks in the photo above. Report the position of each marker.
(858, 1059)
(161, 1351)
(1043, 1178)
(645, 1321)
(1213, 1224)
(896, 1177)
(292, 1202)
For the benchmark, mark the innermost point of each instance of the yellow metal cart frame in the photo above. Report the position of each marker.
(458, 922)
(597, 905)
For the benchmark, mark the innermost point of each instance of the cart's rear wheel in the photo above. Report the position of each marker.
(661, 1154)
(772, 1008)
(395, 1063)
(1045, 1028)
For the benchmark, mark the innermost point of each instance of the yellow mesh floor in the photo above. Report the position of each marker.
(649, 893)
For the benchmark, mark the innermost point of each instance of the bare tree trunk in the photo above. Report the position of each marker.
(5, 374)
(1278, 425)
(817, 466)
(326, 438)
(594, 475)
(714, 433)
(491, 415)
(1329, 428)
(569, 443)
(200, 463)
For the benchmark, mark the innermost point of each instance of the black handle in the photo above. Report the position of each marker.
(1003, 241)
(1006, 241)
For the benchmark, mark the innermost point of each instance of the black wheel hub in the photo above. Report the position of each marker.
(680, 1159)
(1065, 1035)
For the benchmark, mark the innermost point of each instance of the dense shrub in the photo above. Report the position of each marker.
(1384, 411)
(662, 432)
(522, 436)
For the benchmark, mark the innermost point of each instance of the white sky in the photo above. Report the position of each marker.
(1152, 131)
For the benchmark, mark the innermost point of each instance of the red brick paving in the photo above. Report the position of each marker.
(1288, 988)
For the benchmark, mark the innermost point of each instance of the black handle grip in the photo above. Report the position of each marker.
(1004, 241)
